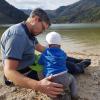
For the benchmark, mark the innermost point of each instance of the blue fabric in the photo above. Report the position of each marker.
(53, 61)
(17, 43)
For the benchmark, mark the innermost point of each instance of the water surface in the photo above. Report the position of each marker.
(77, 37)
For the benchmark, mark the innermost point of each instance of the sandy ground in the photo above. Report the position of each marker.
(88, 83)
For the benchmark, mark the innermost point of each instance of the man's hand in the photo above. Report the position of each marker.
(50, 88)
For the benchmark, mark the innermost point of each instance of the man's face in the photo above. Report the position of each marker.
(39, 27)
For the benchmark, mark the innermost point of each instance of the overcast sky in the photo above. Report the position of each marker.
(44, 4)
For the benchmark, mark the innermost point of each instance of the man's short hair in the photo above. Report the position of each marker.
(42, 14)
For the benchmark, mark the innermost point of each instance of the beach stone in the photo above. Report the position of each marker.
(98, 82)
(2, 96)
(13, 89)
(94, 76)
(13, 98)
(0, 86)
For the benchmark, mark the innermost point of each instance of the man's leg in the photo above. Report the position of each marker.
(84, 63)
(32, 74)
(74, 60)
(74, 68)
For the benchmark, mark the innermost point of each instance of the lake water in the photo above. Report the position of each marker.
(76, 37)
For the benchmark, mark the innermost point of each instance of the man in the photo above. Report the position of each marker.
(17, 45)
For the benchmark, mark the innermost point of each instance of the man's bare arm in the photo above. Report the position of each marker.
(17, 78)
(40, 47)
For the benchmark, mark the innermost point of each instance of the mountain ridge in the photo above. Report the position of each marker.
(9, 14)
(81, 11)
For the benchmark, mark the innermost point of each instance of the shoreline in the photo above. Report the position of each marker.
(88, 83)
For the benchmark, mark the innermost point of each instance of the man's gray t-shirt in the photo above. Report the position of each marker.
(18, 44)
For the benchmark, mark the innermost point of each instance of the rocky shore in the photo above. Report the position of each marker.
(88, 83)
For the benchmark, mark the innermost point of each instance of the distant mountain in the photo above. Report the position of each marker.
(9, 14)
(82, 11)
(26, 11)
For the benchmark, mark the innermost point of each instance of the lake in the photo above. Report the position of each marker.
(76, 37)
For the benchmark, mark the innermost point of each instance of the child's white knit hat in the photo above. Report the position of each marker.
(53, 38)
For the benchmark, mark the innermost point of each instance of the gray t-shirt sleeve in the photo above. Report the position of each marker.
(14, 47)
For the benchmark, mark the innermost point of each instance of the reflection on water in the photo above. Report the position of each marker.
(76, 37)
